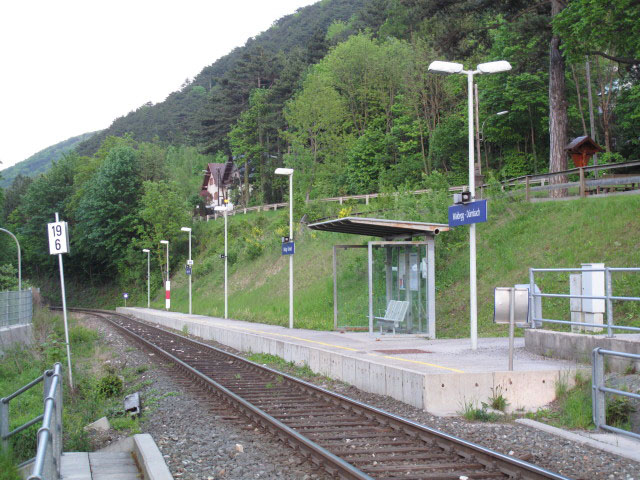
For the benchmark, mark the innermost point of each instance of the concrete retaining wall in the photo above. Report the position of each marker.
(440, 394)
(15, 334)
(578, 347)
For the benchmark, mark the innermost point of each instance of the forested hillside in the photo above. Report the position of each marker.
(341, 92)
(41, 161)
(297, 37)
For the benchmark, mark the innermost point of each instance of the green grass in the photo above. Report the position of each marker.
(278, 363)
(517, 236)
(95, 394)
(573, 408)
(470, 411)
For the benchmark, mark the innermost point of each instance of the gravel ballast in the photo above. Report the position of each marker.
(199, 442)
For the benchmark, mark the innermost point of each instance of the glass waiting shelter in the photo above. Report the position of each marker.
(401, 274)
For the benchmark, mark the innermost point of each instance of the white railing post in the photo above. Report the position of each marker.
(598, 398)
(609, 302)
(532, 312)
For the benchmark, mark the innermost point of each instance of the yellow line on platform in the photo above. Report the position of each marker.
(339, 346)
(291, 336)
(424, 363)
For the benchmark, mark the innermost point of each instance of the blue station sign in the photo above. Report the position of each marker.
(288, 248)
(468, 213)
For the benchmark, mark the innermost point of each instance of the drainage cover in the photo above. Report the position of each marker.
(402, 351)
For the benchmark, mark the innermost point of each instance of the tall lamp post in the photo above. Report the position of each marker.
(148, 252)
(167, 302)
(483, 68)
(225, 208)
(484, 144)
(289, 172)
(19, 257)
(190, 262)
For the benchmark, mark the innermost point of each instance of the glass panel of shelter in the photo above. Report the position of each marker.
(395, 268)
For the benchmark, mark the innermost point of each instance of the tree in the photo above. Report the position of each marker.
(558, 119)
(13, 195)
(316, 117)
(107, 213)
(603, 28)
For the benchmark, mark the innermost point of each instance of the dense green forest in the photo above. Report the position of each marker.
(340, 92)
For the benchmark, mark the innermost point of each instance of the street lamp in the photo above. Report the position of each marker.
(189, 262)
(19, 258)
(225, 209)
(167, 302)
(148, 252)
(448, 68)
(289, 172)
(484, 144)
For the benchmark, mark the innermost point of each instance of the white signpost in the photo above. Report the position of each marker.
(59, 244)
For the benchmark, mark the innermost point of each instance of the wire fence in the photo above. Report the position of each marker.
(16, 307)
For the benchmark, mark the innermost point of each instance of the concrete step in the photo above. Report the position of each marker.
(119, 463)
(99, 466)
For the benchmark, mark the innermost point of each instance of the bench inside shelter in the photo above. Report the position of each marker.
(394, 315)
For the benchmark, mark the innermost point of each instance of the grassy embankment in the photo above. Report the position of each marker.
(517, 236)
(98, 391)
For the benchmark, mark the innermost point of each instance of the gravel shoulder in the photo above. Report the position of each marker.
(198, 443)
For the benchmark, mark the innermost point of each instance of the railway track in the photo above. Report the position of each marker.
(347, 438)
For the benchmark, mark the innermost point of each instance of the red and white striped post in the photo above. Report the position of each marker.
(168, 282)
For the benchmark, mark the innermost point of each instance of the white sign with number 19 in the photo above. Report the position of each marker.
(58, 238)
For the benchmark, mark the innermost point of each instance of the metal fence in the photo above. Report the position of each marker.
(608, 297)
(16, 307)
(46, 464)
(599, 390)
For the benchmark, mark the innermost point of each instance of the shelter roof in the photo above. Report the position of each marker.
(380, 227)
(581, 143)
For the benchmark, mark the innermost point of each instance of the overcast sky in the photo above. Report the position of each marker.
(72, 66)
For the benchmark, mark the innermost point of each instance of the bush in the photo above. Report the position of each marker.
(110, 386)
(619, 410)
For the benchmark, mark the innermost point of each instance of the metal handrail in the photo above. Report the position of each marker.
(608, 298)
(598, 390)
(46, 463)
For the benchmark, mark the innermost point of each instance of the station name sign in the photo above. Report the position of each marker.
(288, 248)
(468, 213)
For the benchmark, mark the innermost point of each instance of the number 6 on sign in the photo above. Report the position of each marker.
(58, 238)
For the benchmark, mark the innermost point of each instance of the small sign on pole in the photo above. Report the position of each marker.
(59, 244)
(188, 269)
(288, 248)
(58, 238)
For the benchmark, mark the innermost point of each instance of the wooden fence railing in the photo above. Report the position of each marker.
(340, 200)
(599, 185)
(606, 184)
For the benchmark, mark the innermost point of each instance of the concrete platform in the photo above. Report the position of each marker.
(440, 376)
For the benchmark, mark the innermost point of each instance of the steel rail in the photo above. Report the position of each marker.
(337, 465)
(510, 466)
